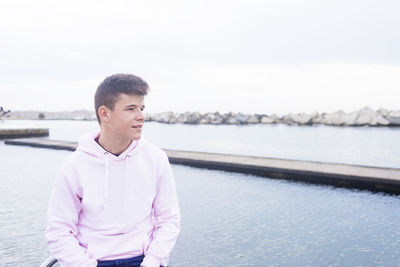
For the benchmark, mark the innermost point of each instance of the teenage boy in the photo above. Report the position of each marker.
(114, 201)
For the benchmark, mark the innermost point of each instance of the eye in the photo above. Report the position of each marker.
(142, 108)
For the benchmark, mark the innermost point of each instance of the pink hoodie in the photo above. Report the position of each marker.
(107, 207)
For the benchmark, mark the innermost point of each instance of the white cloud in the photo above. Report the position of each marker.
(281, 88)
(262, 56)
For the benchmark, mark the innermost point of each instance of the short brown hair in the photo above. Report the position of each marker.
(109, 90)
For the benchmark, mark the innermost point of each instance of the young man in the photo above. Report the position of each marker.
(114, 201)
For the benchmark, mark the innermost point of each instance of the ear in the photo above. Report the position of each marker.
(103, 113)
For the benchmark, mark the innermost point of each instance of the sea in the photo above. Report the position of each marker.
(230, 219)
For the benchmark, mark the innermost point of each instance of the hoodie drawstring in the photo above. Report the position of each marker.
(106, 178)
(127, 183)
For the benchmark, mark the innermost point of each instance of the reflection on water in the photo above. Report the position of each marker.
(227, 219)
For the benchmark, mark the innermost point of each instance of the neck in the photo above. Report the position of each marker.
(113, 145)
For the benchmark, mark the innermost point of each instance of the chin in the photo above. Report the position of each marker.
(136, 137)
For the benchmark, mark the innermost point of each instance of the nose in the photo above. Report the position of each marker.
(140, 115)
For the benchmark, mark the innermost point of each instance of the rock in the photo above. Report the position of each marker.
(315, 118)
(230, 118)
(203, 121)
(349, 119)
(304, 119)
(214, 118)
(383, 112)
(333, 118)
(253, 119)
(394, 118)
(192, 118)
(366, 116)
(382, 120)
(147, 117)
(166, 117)
(394, 113)
(265, 119)
(181, 118)
(275, 118)
(289, 118)
(300, 118)
(363, 120)
(242, 118)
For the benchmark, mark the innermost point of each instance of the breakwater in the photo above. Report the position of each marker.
(363, 117)
(341, 175)
(22, 132)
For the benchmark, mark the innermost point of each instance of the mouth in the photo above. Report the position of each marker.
(137, 126)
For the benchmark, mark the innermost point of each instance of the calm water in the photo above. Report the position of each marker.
(228, 219)
(353, 145)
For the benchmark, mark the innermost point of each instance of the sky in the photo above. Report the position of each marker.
(251, 56)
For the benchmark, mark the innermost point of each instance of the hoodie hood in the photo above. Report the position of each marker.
(89, 145)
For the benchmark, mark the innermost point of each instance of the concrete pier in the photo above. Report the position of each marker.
(22, 132)
(341, 175)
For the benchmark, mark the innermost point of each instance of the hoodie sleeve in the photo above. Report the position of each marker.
(167, 217)
(62, 218)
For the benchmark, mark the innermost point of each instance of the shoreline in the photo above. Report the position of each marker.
(363, 117)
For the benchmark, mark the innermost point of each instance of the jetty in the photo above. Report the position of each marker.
(376, 179)
(22, 132)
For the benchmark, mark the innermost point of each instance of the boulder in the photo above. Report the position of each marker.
(290, 118)
(182, 117)
(315, 118)
(253, 119)
(366, 116)
(274, 117)
(230, 118)
(265, 119)
(203, 121)
(165, 117)
(394, 113)
(192, 118)
(394, 118)
(349, 119)
(242, 118)
(383, 112)
(214, 118)
(147, 117)
(381, 120)
(333, 118)
(303, 119)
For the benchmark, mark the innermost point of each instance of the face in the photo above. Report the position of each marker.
(125, 122)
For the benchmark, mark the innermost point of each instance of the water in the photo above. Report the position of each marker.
(26, 181)
(370, 146)
(231, 219)
(239, 220)
(227, 219)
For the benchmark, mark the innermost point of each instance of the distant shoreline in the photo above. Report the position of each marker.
(363, 117)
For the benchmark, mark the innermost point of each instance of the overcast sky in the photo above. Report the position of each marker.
(271, 56)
